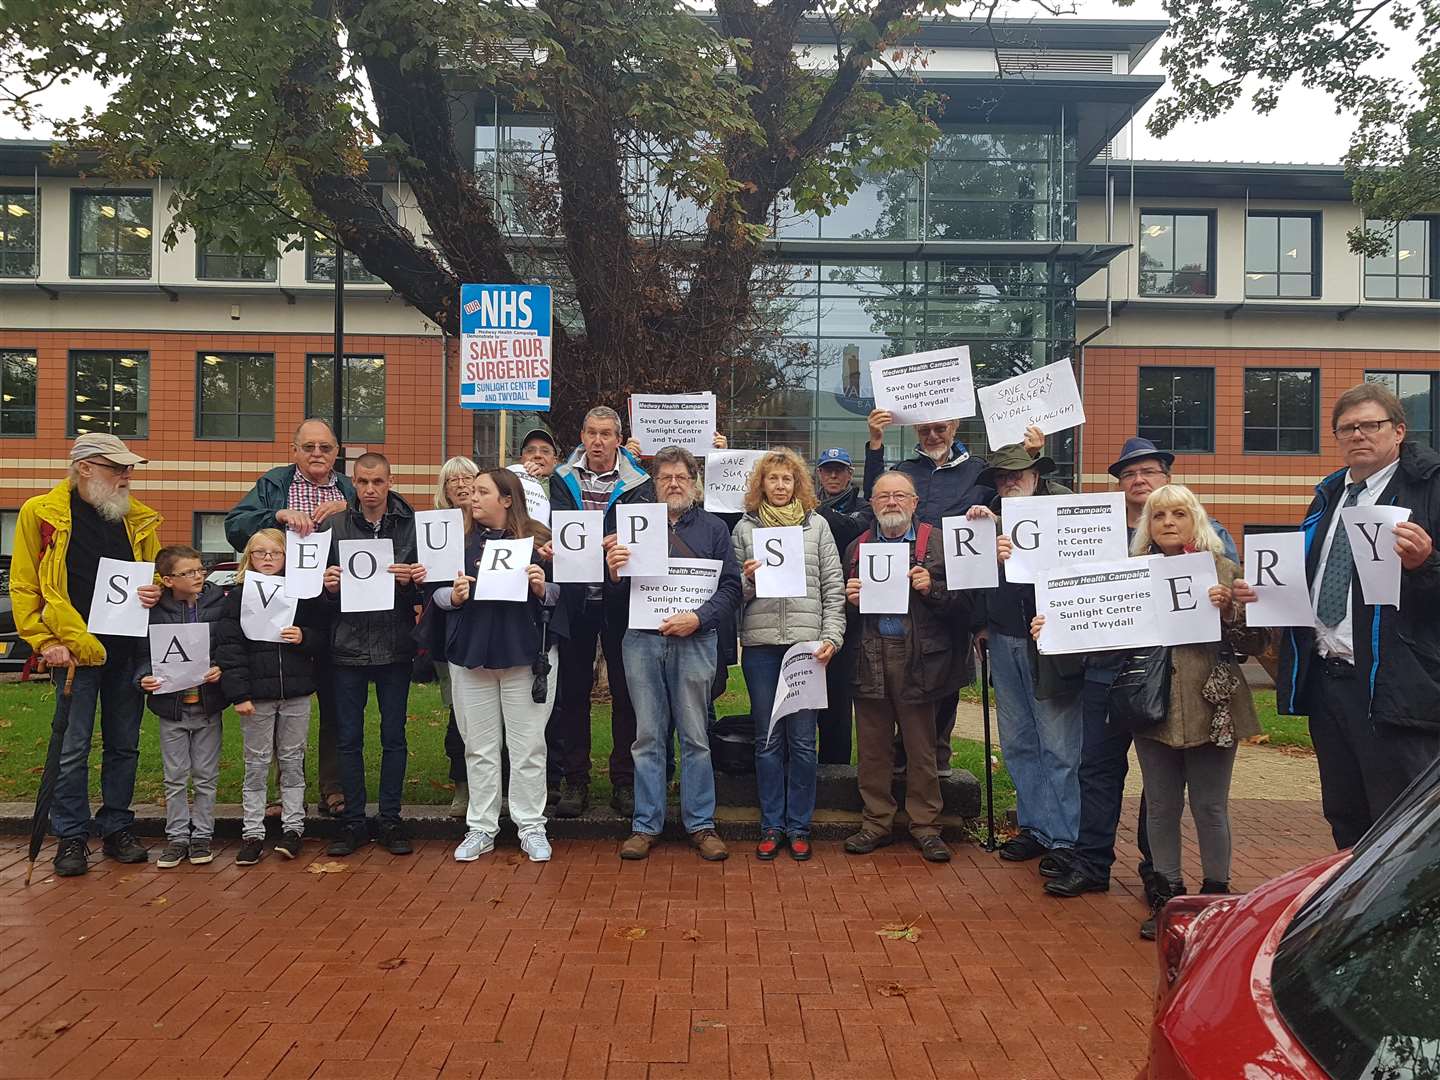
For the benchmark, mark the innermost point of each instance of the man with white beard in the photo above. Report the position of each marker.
(60, 538)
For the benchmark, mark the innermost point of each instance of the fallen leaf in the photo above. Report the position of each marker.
(36, 771)
(631, 933)
(890, 990)
(1257, 740)
(159, 901)
(5, 723)
(438, 786)
(391, 964)
(493, 900)
(516, 859)
(690, 935)
(45, 1029)
(900, 931)
(327, 868)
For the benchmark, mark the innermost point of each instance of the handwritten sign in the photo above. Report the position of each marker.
(925, 387)
(1046, 398)
(727, 475)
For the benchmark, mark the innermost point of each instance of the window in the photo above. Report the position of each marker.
(19, 376)
(1419, 392)
(209, 538)
(1282, 411)
(8, 519)
(19, 233)
(111, 234)
(1282, 255)
(320, 262)
(1177, 408)
(363, 390)
(236, 396)
(110, 391)
(216, 264)
(1407, 270)
(1177, 253)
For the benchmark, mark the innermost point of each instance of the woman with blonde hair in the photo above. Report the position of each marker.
(780, 494)
(452, 492)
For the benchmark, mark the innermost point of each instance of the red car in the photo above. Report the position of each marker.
(1332, 970)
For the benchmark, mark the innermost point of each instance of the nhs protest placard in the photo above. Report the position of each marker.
(503, 571)
(802, 683)
(1275, 567)
(366, 583)
(925, 387)
(1050, 530)
(579, 537)
(179, 655)
(305, 559)
(684, 420)
(727, 474)
(1046, 398)
(781, 554)
(537, 503)
(970, 561)
(505, 346)
(440, 542)
(1371, 530)
(686, 584)
(265, 610)
(1104, 605)
(115, 607)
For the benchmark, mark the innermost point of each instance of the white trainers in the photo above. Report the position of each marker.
(536, 845)
(476, 843)
(460, 804)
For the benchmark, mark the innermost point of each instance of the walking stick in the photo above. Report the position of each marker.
(990, 844)
(46, 795)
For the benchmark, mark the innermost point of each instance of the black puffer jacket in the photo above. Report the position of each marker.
(365, 638)
(209, 608)
(272, 670)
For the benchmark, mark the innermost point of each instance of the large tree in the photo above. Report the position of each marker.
(1221, 50)
(260, 115)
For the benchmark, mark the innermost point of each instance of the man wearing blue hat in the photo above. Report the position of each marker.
(848, 515)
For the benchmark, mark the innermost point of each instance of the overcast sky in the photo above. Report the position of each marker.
(1304, 128)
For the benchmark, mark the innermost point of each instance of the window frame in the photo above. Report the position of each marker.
(1434, 418)
(70, 406)
(1432, 266)
(6, 193)
(201, 274)
(1211, 254)
(196, 532)
(1245, 426)
(1317, 254)
(312, 409)
(35, 409)
(13, 513)
(1207, 371)
(200, 366)
(78, 196)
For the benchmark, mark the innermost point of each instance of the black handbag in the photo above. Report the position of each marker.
(1140, 695)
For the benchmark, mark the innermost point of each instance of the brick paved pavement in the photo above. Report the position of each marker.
(421, 967)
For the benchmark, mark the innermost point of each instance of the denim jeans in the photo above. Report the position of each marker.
(111, 689)
(1104, 761)
(785, 763)
(1041, 741)
(669, 680)
(392, 695)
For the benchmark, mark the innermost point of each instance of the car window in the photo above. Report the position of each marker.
(1357, 974)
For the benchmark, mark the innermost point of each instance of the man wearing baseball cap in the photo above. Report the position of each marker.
(60, 538)
(848, 515)
(539, 454)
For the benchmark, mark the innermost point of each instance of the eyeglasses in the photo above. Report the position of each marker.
(1131, 474)
(892, 496)
(1364, 427)
(318, 447)
(267, 555)
(196, 573)
(119, 470)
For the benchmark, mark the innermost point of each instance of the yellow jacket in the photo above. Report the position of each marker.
(39, 588)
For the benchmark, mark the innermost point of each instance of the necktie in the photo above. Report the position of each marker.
(1335, 585)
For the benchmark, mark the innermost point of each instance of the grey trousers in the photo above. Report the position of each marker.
(190, 754)
(1205, 772)
(276, 731)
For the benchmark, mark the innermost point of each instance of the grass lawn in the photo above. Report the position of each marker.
(1283, 730)
(26, 710)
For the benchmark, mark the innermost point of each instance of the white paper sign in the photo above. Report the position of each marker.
(502, 572)
(884, 578)
(1046, 398)
(727, 475)
(686, 420)
(970, 561)
(115, 608)
(801, 686)
(925, 387)
(781, 554)
(687, 585)
(1371, 530)
(1180, 592)
(265, 610)
(179, 655)
(578, 536)
(537, 503)
(1105, 605)
(1275, 567)
(440, 542)
(366, 583)
(644, 529)
(305, 561)
(1047, 531)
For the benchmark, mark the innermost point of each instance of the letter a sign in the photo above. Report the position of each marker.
(505, 347)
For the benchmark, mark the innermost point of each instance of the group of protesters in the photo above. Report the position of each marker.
(518, 677)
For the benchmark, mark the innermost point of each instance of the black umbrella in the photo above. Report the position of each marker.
(40, 825)
(990, 844)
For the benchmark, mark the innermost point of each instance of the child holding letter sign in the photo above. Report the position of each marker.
(780, 495)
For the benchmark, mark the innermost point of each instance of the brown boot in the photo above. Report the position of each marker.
(638, 846)
(709, 844)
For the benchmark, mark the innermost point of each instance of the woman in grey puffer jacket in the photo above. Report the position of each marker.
(781, 495)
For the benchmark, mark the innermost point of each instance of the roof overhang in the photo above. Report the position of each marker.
(1086, 258)
(1218, 180)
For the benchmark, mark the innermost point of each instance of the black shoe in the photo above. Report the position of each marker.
(1021, 847)
(72, 857)
(123, 847)
(395, 837)
(933, 848)
(1074, 883)
(1164, 893)
(622, 800)
(288, 845)
(1055, 863)
(865, 841)
(574, 802)
(552, 799)
(351, 839)
(249, 853)
(1214, 888)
